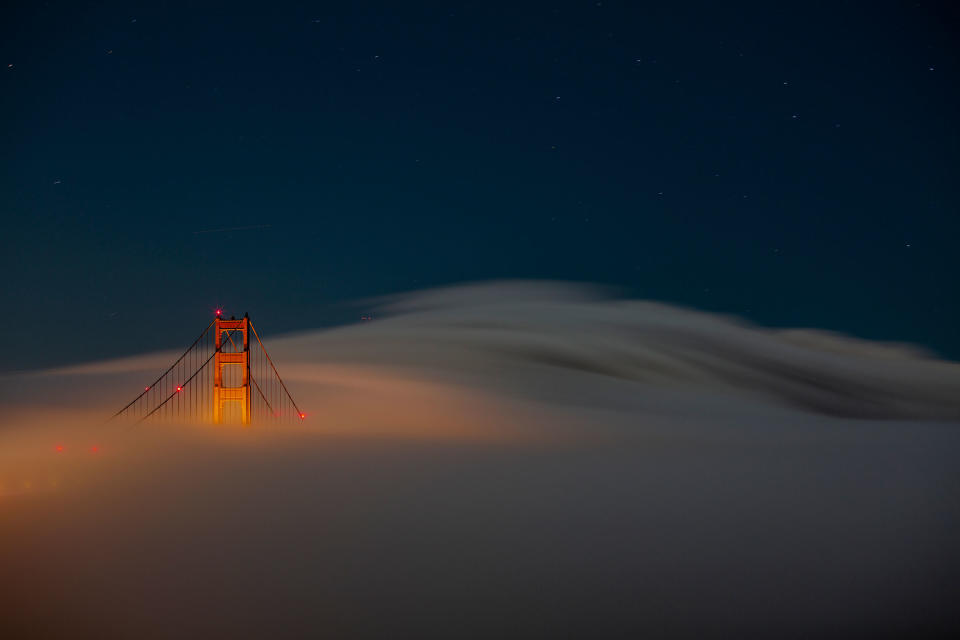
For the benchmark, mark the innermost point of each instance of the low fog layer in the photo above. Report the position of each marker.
(504, 459)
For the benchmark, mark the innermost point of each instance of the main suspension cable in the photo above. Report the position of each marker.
(147, 389)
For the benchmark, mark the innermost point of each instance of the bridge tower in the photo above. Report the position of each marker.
(230, 354)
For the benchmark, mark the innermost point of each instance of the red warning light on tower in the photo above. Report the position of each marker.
(179, 388)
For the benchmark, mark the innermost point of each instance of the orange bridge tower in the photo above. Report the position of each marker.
(231, 368)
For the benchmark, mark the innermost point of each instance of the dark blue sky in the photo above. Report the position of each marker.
(794, 164)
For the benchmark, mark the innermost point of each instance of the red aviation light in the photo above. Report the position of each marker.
(302, 416)
(59, 448)
(94, 449)
(146, 388)
(179, 388)
(219, 311)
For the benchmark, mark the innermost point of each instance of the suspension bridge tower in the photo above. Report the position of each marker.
(234, 361)
(246, 387)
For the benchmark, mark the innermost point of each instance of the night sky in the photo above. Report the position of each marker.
(792, 164)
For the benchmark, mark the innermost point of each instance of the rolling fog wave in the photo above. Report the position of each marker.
(517, 336)
(503, 460)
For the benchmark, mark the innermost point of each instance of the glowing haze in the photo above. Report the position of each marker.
(510, 458)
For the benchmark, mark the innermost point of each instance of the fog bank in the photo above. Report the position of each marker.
(516, 458)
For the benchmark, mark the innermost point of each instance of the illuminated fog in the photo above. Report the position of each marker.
(525, 458)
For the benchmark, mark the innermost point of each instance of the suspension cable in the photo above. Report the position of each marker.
(299, 414)
(181, 386)
(267, 402)
(165, 372)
